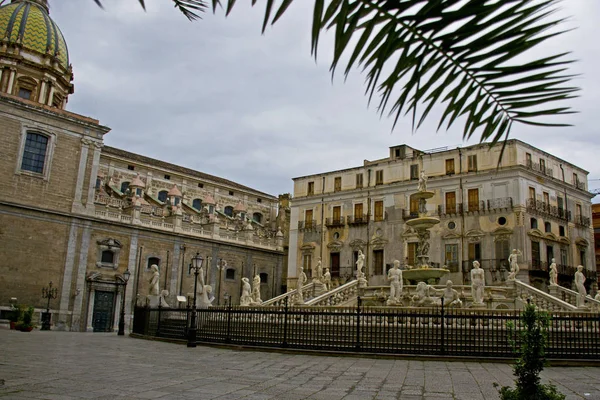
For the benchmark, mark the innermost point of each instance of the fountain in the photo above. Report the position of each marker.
(423, 271)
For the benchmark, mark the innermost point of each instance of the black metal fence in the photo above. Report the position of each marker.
(427, 331)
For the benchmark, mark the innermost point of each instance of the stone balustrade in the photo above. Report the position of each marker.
(570, 296)
(540, 298)
(280, 300)
(337, 296)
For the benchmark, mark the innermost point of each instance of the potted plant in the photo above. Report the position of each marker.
(26, 323)
(15, 315)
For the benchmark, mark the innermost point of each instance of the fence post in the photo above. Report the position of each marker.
(443, 341)
(228, 337)
(358, 301)
(285, 322)
(158, 322)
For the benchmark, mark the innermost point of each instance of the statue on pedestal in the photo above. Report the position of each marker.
(301, 282)
(246, 298)
(156, 297)
(154, 289)
(422, 187)
(318, 272)
(553, 274)
(451, 297)
(477, 283)
(360, 262)
(326, 280)
(579, 285)
(256, 290)
(395, 278)
(423, 297)
(514, 264)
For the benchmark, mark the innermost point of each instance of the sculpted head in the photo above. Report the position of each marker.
(154, 268)
(449, 284)
(476, 264)
(396, 264)
(579, 268)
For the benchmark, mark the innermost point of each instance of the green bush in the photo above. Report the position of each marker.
(532, 359)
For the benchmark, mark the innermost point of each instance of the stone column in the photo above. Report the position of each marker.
(78, 313)
(175, 265)
(77, 200)
(132, 266)
(11, 80)
(89, 205)
(51, 95)
(118, 305)
(65, 294)
(90, 311)
(42, 96)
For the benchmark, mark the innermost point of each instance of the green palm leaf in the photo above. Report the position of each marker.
(464, 55)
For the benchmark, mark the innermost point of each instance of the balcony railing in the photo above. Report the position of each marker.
(539, 168)
(451, 209)
(583, 221)
(307, 225)
(566, 271)
(580, 185)
(336, 221)
(544, 209)
(358, 219)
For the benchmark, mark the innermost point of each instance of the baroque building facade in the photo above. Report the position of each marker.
(80, 214)
(528, 200)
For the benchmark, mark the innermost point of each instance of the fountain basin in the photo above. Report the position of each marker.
(431, 276)
(422, 223)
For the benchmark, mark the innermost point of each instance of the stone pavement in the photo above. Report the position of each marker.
(64, 365)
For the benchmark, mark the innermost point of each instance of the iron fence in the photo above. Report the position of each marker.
(427, 331)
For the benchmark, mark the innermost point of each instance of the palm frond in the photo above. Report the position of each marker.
(465, 55)
(190, 8)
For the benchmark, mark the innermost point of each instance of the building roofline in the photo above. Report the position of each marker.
(115, 152)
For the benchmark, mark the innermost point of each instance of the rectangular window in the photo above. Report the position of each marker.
(450, 166)
(230, 274)
(231, 192)
(34, 154)
(535, 254)
(578, 210)
(450, 202)
(575, 179)
(307, 264)
(502, 253)
(546, 198)
(167, 177)
(337, 184)
(542, 165)
(563, 256)
(451, 259)
(25, 93)
(334, 264)
(337, 213)
(311, 189)
(359, 181)
(559, 202)
(414, 171)
(358, 211)
(414, 205)
(308, 219)
(561, 230)
(258, 200)
(528, 159)
(377, 262)
(411, 257)
(472, 163)
(474, 251)
(131, 167)
(201, 185)
(532, 193)
(473, 195)
(379, 210)
(379, 177)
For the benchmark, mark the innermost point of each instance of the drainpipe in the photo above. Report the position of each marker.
(462, 215)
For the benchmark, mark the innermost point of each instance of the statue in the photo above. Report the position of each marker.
(154, 281)
(477, 283)
(205, 301)
(514, 264)
(553, 274)
(326, 280)
(301, 281)
(318, 273)
(256, 290)
(246, 298)
(450, 296)
(579, 285)
(360, 262)
(395, 278)
(422, 298)
(422, 182)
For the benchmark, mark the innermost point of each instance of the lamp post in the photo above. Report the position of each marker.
(121, 331)
(197, 267)
(48, 293)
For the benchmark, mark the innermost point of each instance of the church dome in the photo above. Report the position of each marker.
(27, 23)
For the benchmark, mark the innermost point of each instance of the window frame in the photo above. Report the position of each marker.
(379, 177)
(472, 163)
(337, 184)
(50, 146)
(359, 180)
(450, 166)
(310, 188)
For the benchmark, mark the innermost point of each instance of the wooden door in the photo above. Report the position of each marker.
(104, 305)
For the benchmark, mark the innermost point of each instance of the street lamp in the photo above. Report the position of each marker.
(48, 293)
(196, 265)
(121, 331)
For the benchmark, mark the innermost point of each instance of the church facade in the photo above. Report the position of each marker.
(80, 214)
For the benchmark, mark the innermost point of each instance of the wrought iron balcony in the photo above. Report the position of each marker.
(360, 219)
(452, 209)
(580, 185)
(544, 209)
(539, 168)
(307, 225)
(337, 221)
(583, 221)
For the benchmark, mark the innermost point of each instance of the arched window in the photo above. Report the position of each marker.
(152, 261)
(162, 195)
(197, 204)
(257, 217)
(108, 256)
(230, 273)
(228, 211)
(264, 277)
(548, 227)
(124, 187)
(534, 224)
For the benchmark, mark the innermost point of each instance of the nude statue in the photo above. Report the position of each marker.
(246, 298)
(256, 290)
(553, 274)
(395, 278)
(513, 261)
(154, 289)
(326, 280)
(579, 285)
(450, 296)
(318, 273)
(422, 298)
(301, 282)
(422, 182)
(360, 262)
(477, 283)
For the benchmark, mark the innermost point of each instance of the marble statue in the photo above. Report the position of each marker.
(326, 280)
(154, 281)
(395, 278)
(422, 182)
(450, 296)
(301, 282)
(256, 290)
(553, 274)
(318, 273)
(513, 261)
(579, 285)
(422, 298)
(204, 300)
(360, 262)
(246, 297)
(477, 283)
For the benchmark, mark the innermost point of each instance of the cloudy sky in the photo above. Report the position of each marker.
(217, 96)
